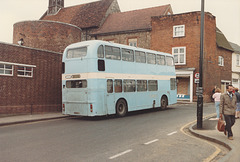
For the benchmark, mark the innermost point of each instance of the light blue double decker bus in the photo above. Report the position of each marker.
(102, 78)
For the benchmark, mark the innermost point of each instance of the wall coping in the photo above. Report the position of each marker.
(49, 21)
(38, 49)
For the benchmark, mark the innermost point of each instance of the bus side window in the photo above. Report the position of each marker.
(110, 86)
(101, 65)
(118, 85)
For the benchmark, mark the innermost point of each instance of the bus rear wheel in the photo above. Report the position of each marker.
(121, 108)
(164, 103)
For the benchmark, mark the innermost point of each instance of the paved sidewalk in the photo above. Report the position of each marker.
(10, 120)
(210, 132)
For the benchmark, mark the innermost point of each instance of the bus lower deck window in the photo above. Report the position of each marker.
(76, 84)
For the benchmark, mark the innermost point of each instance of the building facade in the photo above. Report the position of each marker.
(235, 65)
(180, 35)
(30, 80)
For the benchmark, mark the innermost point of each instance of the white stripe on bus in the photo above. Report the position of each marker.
(115, 76)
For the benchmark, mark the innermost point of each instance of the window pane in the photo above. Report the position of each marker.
(118, 85)
(100, 52)
(20, 73)
(1, 66)
(151, 58)
(182, 58)
(8, 66)
(76, 84)
(160, 59)
(109, 85)
(172, 83)
(28, 69)
(1, 71)
(176, 58)
(140, 56)
(152, 85)
(141, 85)
(8, 71)
(181, 50)
(127, 55)
(21, 68)
(77, 53)
(112, 53)
(129, 85)
(175, 50)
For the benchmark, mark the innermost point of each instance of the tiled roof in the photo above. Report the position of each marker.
(222, 40)
(235, 47)
(84, 15)
(131, 20)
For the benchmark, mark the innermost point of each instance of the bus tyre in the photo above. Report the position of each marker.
(121, 108)
(164, 102)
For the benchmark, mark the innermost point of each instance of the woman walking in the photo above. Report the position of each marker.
(216, 96)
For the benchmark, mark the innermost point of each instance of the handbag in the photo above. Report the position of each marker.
(221, 125)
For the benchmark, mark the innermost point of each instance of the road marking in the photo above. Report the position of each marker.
(147, 143)
(169, 134)
(120, 154)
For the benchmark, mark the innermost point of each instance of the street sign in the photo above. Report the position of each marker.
(197, 75)
(199, 91)
(196, 81)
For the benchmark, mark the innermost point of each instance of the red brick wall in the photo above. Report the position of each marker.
(143, 38)
(42, 92)
(49, 35)
(162, 40)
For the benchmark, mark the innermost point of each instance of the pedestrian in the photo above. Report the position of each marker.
(213, 91)
(228, 105)
(238, 103)
(216, 96)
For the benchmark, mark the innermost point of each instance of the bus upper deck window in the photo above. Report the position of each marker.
(100, 52)
(169, 61)
(77, 52)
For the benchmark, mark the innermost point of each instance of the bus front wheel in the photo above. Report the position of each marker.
(164, 102)
(121, 108)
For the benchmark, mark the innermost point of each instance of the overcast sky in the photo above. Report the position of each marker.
(227, 12)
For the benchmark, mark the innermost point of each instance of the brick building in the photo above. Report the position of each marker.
(30, 80)
(180, 35)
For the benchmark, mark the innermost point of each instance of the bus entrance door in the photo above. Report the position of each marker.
(110, 98)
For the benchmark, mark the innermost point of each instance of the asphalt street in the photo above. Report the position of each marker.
(150, 135)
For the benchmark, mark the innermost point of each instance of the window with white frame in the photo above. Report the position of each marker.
(132, 42)
(220, 61)
(6, 69)
(237, 60)
(25, 71)
(179, 54)
(179, 31)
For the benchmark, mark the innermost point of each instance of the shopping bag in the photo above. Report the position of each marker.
(221, 125)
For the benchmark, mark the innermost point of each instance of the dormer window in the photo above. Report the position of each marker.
(55, 6)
